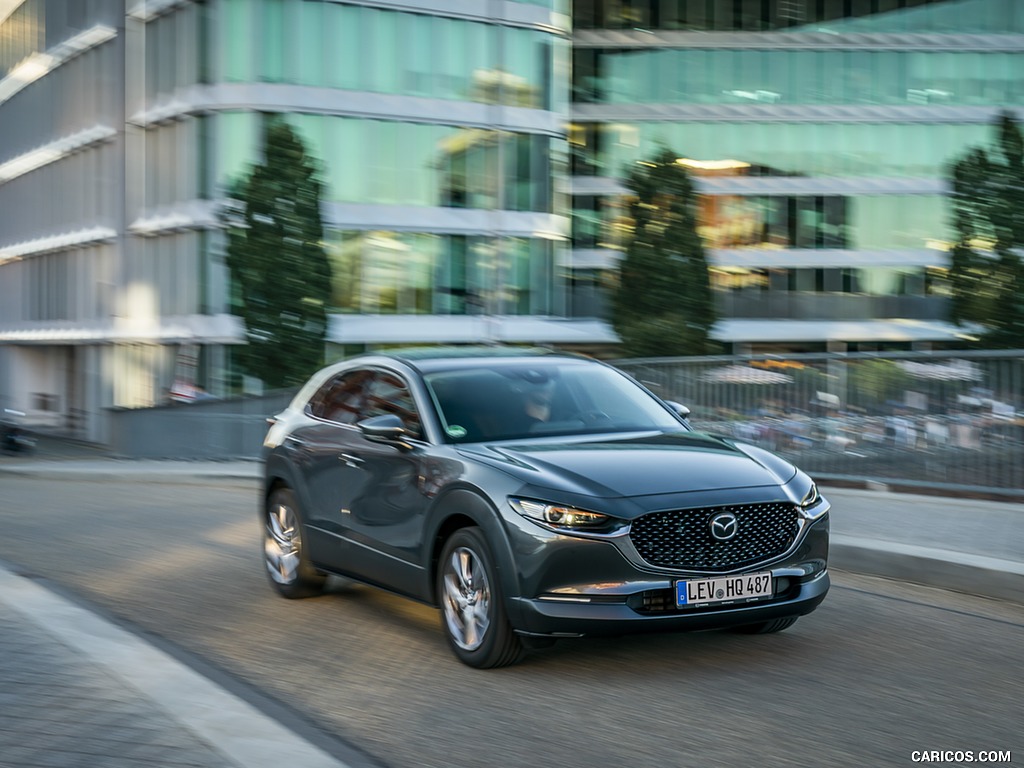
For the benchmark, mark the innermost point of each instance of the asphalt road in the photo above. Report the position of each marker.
(880, 670)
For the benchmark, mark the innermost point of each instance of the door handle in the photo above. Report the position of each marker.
(350, 460)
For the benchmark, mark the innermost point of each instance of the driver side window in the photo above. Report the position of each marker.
(387, 393)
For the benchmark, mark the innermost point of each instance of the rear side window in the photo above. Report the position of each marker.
(342, 398)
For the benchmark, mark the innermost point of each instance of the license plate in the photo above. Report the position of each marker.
(724, 589)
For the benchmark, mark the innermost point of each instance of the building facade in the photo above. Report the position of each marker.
(819, 132)
(439, 127)
(472, 154)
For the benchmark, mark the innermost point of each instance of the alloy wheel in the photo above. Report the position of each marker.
(467, 598)
(282, 544)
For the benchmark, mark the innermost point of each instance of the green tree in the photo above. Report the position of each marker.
(281, 274)
(663, 304)
(986, 272)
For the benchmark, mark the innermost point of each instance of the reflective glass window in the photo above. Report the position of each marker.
(347, 155)
(516, 293)
(346, 285)
(449, 59)
(488, 80)
(526, 57)
(832, 15)
(481, 151)
(899, 221)
(450, 292)
(417, 62)
(481, 260)
(425, 256)
(344, 45)
(853, 149)
(382, 177)
(397, 163)
(238, 143)
(410, 165)
(798, 76)
(557, 81)
(452, 163)
(517, 171)
(308, 56)
(383, 51)
(360, 47)
(272, 38)
(237, 38)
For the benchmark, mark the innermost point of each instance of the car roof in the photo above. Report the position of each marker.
(473, 351)
(427, 359)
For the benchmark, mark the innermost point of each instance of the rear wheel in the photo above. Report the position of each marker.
(472, 607)
(288, 566)
(767, 627)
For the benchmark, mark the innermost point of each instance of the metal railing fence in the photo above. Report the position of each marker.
(208, 429)
(928, 418)
(932, 419)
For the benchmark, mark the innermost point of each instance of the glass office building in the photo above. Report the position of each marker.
(819, 132)
(472, 155)
(440, 129)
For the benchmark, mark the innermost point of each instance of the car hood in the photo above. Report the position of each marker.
(632, 465)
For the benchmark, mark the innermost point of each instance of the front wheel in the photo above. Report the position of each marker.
(288, 565)
(472, 609)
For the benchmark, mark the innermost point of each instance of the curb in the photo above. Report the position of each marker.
(958, 572)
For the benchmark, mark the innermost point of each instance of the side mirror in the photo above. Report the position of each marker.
(386, 428)
(681, 410)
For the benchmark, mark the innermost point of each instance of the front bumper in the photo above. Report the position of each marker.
(554, 618)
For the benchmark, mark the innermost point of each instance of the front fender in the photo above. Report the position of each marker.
(278, 469)
(452, 511)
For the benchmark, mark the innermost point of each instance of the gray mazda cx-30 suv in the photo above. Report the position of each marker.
(534, 496)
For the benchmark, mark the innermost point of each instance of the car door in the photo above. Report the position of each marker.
(382, 491)
(315, 449)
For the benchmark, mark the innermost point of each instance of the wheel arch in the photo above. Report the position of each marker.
(463, 508)
(278, 474)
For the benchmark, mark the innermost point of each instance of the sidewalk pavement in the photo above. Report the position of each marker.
(76, 690)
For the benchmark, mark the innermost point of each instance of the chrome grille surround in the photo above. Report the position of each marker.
(681, 538)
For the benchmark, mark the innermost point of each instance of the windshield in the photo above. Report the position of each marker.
(527, 398)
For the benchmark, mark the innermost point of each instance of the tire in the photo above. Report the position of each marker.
(288, 567)
(767, 627)
(473, 614)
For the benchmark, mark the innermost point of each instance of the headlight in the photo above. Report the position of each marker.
(811, 504)
(564, 518)
(811, 498)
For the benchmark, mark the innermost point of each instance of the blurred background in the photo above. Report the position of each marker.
(471, 162)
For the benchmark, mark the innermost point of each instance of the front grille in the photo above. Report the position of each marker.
(681, 538)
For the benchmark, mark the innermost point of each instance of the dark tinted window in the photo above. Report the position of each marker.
(537, 397)
(342, 399)
(387, 393)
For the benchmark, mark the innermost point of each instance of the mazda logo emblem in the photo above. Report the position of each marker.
(724, 526)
